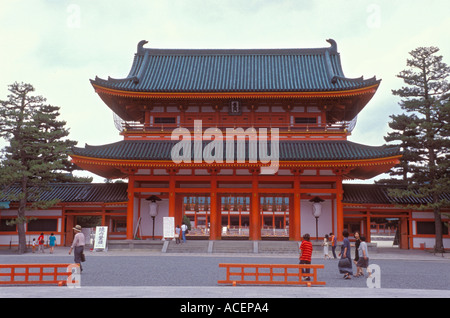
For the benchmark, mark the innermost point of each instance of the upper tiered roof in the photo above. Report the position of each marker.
(238, 70)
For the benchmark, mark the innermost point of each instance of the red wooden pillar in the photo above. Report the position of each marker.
(147, 119)
(215, 210)
(172, 201)
(368, 220)
(339, 208)
(411, 243)
(130, 207)
(178, 209)
(295, 223)
(294, 208)
(403, 243)
(255, 219)
(68, 230)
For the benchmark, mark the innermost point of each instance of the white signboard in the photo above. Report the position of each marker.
(101, 233)
(168, 227)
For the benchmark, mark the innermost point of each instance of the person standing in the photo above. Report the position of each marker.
(325, 247)
(306, 249)
(78, 246)
(33, 245)
(41, 242)
(357, 242)
(183, 231)
(333, 244)
(363, 261)
(177, 234)
(52, 243)
(345, 263)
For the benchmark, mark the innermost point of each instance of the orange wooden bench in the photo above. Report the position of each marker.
(28, 274)
(272, 274)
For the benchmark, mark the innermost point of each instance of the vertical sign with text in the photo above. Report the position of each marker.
(101, 233)
(169, 227)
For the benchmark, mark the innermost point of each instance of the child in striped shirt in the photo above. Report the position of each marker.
(306, 253)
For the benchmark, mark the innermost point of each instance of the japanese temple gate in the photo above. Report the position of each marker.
(301, 93)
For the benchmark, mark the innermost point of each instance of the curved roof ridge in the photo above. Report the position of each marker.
(241, 51)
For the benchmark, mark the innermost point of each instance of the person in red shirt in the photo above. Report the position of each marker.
(41, 243)
(306, 249)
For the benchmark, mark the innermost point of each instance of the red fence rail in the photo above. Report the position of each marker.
(28, 274)
(272, 274)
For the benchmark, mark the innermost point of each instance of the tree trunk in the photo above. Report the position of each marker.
(21, 217)
(439, 243)
(22, 237)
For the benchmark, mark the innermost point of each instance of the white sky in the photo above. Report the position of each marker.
(58, 45)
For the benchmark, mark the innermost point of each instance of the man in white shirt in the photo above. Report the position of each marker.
(183, 231)
(78, 245)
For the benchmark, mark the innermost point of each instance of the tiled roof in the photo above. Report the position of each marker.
(298, 150)
(76, 192)
(253, 70)
(117, 192)
(379, 194)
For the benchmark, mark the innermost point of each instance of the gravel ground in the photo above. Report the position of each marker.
(201, 270)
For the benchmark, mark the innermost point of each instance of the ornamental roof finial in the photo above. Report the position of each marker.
(140, 46)
(333, 44)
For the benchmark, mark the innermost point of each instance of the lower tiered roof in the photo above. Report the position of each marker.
(296, 153)
(297, 150)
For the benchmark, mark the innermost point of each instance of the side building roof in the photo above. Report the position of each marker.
(379, 194)
(117, 192)
(75, 192)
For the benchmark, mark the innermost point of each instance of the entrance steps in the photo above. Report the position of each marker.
(274, 247)
(131, 245)
(222, 246)
(233, 247)
(191, 246)
(219, 247)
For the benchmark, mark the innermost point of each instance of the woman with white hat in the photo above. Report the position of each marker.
(78, 246)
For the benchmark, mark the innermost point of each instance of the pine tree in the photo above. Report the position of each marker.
(37, 153)
(404, 131)
(423, 132)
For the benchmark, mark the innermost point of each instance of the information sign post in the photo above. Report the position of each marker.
(101, 233)
(168, 228)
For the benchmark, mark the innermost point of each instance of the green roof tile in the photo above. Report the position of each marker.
(239, 70)
(298, 150)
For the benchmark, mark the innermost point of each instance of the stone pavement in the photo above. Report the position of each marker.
(223, 292)
(191, 292)
(381, 253)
